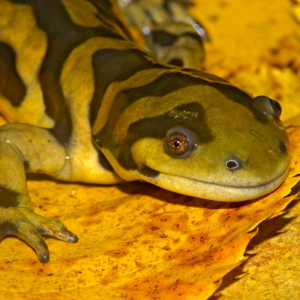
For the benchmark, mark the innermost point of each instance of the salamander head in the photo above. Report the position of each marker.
(204, 139)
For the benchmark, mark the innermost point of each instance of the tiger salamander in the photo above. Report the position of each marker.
(85, 103)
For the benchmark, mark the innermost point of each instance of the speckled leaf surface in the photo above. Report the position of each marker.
(255, 45)
(138, 241)
(272, 271)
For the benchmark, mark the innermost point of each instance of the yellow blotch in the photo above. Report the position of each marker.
(83, 13)
(19, 30)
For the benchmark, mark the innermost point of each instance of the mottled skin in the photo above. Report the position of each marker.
(258, 142)
(88, 105)
(171, 34)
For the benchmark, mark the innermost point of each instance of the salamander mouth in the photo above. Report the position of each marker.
(212, 191)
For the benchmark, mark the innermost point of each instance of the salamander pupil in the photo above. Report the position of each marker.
(176, 144)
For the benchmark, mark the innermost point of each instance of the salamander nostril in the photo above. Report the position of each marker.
(232, 164)
(283, 147)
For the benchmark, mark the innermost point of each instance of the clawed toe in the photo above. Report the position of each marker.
(30, 227)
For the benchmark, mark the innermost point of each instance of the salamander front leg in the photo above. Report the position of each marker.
(26, 146)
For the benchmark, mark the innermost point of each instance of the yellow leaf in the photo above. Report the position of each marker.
(272, 272)
(138, 241)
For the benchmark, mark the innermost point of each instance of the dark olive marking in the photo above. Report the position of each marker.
(104, 162)
(105, 13)
(234, 163)
(176, 62)
(63, 36)
(242, 98)
(165, 38)
(146, 171)
(177, 143)
(26, 164)
(11, 85)
(161, 86)
(112, 65)
(106, 4)
(8, 198)
(125, 158)
(157, 127)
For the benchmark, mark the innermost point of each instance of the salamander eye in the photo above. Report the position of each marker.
(267, 106)
(177, 143)
(180, 141)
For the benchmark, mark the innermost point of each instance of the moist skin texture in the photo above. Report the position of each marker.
(86, 104)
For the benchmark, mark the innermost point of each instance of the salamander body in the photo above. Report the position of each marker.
(85, 103)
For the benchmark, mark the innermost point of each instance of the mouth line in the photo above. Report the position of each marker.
(211, 191)
(282, 174)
